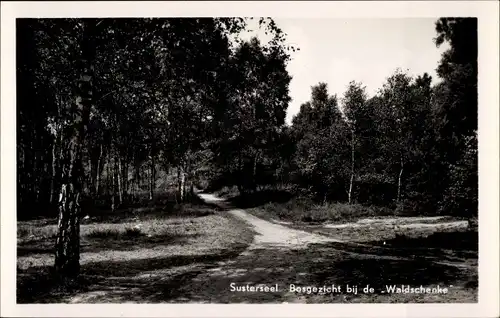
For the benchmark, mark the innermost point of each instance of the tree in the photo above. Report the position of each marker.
(322, 145)
(455, 111)
(67, 250)
(354, 103)
(255, 109)
(398, 103)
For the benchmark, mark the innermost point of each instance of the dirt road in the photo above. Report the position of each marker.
(284, 258)
(271, 234)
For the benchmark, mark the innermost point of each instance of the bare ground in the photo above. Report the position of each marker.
(235, 247)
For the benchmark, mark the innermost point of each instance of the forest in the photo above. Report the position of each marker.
(116, 112)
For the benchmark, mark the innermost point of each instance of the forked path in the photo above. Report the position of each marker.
(282, 256)
(271, 234)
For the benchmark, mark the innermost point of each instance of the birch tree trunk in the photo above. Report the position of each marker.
(54, 169)
(181, 179)
(67, 245)
(352, 168)
(398, 198)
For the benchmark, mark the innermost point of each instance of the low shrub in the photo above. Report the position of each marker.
(33, 232)
(100, 233)
(303, 209)
(115, 234)
(133, 232)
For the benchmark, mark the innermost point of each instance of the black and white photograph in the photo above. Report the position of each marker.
(246, 160)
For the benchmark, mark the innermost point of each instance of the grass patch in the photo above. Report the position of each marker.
(303, 210)
(227, 192)
(104, 233)
(133, 232)
(139, 249)
(27, 231)
(114, 233)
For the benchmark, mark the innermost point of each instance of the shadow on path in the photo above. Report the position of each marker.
(140, 280)
(207, 278)
(319, 265)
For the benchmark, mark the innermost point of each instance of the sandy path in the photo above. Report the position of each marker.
(272, 234)
(278, 256)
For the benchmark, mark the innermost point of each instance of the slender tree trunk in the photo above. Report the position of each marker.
(112, 159)
(119, 179)
(240, 174)
(98, 172)
(108, 175)
(191, 186)
(36, 172)
(398, 199)
(181, 179)
(91, 177)
(54, 170)
(67, 245)
(183, 186)
(35, 175)
(179, 184)
(59, 165)
(254, 172)
(352, 168)
(137, 177)
(152, 176)
(57, 152)
(125, 179)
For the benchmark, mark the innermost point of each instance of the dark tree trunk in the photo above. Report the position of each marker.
(137, 178)
(108, 175)
(98, 172)
(119, 174)
(113, 181)
(125, 179)
(152, 176)
(254, 171)
(239, 174)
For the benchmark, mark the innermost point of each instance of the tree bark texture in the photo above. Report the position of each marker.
(67, 245)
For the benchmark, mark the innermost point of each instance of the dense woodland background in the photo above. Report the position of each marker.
(114, 112)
